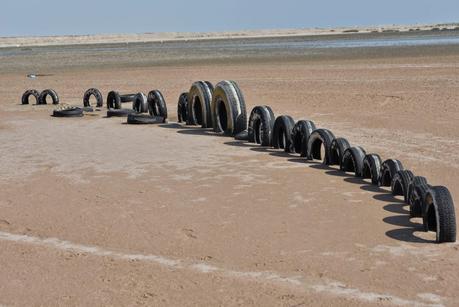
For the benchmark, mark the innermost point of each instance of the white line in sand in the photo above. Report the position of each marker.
(334, 288)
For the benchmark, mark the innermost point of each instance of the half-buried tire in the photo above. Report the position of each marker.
(372, 168)
(182, 108)
(140, 103)
(353, 161)
(97, 95)
(439, 215)
(48, 92)
(199, 100)
(388, 170)
(317, 138)
(68, 112)
(417, 189)
(142, 119)
(113, 100)
(157, 104)
(301, 133)
(282, 133)
(338, 147)
(229, 115)
(27, 94)
(261, 123)
(401, 182)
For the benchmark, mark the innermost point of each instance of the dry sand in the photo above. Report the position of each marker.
(96, 212)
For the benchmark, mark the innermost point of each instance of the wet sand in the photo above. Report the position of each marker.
(96, 212)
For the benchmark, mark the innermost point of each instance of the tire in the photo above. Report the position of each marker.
(141, 119)
(388, 170)
(372, 168)
(140, 103)
(338, 147)
(119, 112)
(301, 131)
(199, 100)
(113, 100)
(97, 94)
(353, 160)
(157, 104)
(400, 184)
(261, 123)
(282, 133)
(127, 97)
(69, 112)
(416, 193)
(242, 136)
(229, 115)
(45, 94)
(440, 215)
(27, 94)
(182, 108)
(317, 138)
(87, 109)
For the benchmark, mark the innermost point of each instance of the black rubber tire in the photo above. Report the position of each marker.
(127, 97)
(142, 119)
(46, 93)
(440, 215)
(27, 94)
(372, 168)
(140, 103)
(388, 170)
(119, 112)
(182, 108)
(401, 182)
(352, 160)
(87, 109)
(242, 136)
(317, 138)
(282, 133)
(70, 112)
(229, 115)
(113, 100)
(416, 193)
(301, 132)
(261, 123)
(97, 94)
(338, 147)
(157, 104)
(199, 100)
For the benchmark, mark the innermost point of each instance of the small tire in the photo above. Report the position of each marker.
(27, 94)
(45, 94)
(338, 147)
(261, 123)
(97, 94)
(119, 112)
(141, 119)
(372, 168)
(416, 193)
(353, 160)
(317, 138)
(157, 104)
(440, 215)
(113, 100)
(182, 108)
(388, 170)
(69, 112)
(282, 133)
(199, 100)
(301, 132)
(140, 103)
(401, 182)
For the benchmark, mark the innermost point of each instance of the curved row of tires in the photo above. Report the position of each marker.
(223, 109)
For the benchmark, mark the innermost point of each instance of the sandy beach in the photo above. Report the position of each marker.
(97, 212)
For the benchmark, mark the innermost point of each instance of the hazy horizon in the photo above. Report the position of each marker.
(85, 17)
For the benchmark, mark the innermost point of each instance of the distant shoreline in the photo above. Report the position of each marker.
(35, 41)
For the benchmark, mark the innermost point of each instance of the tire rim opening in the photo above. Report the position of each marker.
(197, 110)
(222, 118)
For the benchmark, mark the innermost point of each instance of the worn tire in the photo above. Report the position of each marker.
(282, 133)
(301, 132)
(119, 112)
(182, 108)
(229, 115)
(142, 119)
(440, 215)
(45, 94)
(401, 182)
(416, 193)
(261, 123)
(93, 92)
(127, 97)
(199, 100)
(372, 168)
(113, 100)
(157, 104)
(140, 103)
(338, 147)
(317, 138)
(70, 112)
(388, 170)
(353, 160)
(27, 94)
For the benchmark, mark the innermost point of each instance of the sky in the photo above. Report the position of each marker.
(61, 17)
